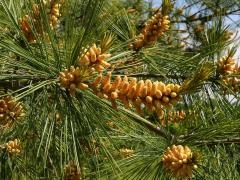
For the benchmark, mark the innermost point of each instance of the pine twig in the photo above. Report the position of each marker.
(163, 133)
(206, 18)
(221, 141)
(18, 84)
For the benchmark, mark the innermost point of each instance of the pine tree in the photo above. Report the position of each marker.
(106, 89)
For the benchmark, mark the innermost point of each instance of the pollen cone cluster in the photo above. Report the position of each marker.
(233, 83)
(152, 95)
(93, 57)
(26, 29)
(73, 79)
(91, 147)
(154, 28)
(72, 172)
(173, 117)
(227, 35)
(179, 161)
(10, 111)
(226, 65)
(35, 20)
(13, 146)
(110, 124)
(229, 73)
(125, 152)
(54, 14)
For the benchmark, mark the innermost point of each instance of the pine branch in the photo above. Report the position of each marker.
(18, 84)
(221, 141)
(206, 18)
(163, 133)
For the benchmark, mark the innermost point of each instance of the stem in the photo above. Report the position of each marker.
(163, 133)
(207, 18)
(221, 141)
(16, 84)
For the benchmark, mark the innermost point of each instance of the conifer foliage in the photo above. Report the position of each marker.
(108, 89)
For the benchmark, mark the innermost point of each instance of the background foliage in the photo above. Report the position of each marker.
(102, 141)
